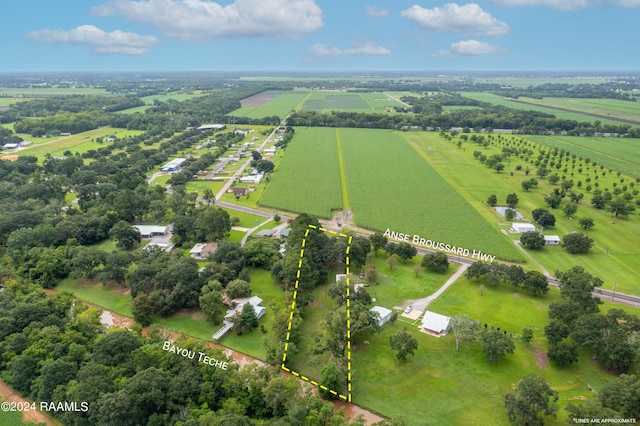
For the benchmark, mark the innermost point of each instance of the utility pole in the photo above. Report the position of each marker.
(614, 293)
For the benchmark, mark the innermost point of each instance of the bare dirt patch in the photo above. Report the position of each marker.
(10, 395)
(258, 100)
(541, 357)
(11, 157)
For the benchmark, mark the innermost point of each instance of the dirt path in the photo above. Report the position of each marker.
(8, 394)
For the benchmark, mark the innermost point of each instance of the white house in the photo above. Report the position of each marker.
(236, 310)
(270, 151)
(552, 240)
(436, 324)
(382, 314)
(523, 227)
(173, 165)
(148, 231)
(11, 146)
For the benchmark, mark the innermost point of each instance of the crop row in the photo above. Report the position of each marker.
(391, 186)
(308, 177)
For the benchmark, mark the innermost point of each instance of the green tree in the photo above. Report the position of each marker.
(532, 240)
(527, 334)
(621, 395)
(333, 379)
(577, 243)
(586, 223)
(464, 329)
(392, 262)
(555, 331)
(436, 262)
(563, 353)
(405, 251)
(536, 282)
(142, 309)
(532, 399)
(512, 200)
(544, 218)
(404, 344)
(492, 200)
(577, 285)
(496, 344)
(212, 306)
(237, 289)
(378, 241)
(125, 235)
(569, 210)
(620, 207)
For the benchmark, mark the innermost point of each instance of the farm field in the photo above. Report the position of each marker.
(621, 154)
(610, 107)
(307, 179)
(499, 100)
(325, 101)
(613, 259)
(80, 142)
(281, 105)
(148, 100)
(39, 92)
(385, 176)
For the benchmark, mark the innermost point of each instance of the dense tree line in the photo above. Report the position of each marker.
(54, 349)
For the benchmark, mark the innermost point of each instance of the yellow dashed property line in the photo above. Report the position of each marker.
(293, 305)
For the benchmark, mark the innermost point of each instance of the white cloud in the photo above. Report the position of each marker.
(569, 5)
(469, 19)
(361, 47)
(101, 42)
(376, 12)
(198, 19)
(471, 48)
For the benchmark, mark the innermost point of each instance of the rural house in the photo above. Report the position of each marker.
(435, 324)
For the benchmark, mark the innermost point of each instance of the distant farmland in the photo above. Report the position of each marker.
(269, 103)
(307, 178)
(388, 184)
(616, 153)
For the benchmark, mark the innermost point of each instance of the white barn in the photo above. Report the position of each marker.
(552, 240)
(523, 227)
(383, 314)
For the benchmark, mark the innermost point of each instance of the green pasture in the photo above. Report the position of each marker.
(247, 220)
(622, 154)
(325, 101)
(500, 100)
(110, 297)
(385, 175)
(397, 285)
(524, 82)
(12, 418)
(5, 102)
(149, 101)
(308, 178)
(200, 186)
(236, 236)
(614, 108)
(427, 388)
(80, 142)
(615, 256)
(280, 106)
(36, 92)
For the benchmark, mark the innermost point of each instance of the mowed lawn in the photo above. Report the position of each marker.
(621, 154)
(280, 106)
(442, 386)
(392, 187)
(308, 178)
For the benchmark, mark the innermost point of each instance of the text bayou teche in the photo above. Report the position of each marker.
(170, 347)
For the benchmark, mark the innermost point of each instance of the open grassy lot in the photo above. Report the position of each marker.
(81, 142)
(621, 154)
(35, 92)
(111, 297)
(499, 100)
(200, 186)
(609, 107)
(324, 101)
(5, 101)
(307, 179)
(463, 387)
(281, 106)
(12, 418)
(385, 176)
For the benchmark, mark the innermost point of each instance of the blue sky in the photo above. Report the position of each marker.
(316, 35)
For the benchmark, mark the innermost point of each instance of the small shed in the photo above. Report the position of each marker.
(284, 233)
(383, 314)
(265, 233)
(523, 227)
(436, 324)
(197, 250)
(552, 240)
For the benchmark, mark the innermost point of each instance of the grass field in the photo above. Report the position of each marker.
(615, 256)
(621, 154)
(308, 177)
(608, 107)
(385, 176)
(427, 388)
(12, 418)
(280, 106)
(110, 297)
(499, 100)
(35, 92)
(325, 101)
(81, 142)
